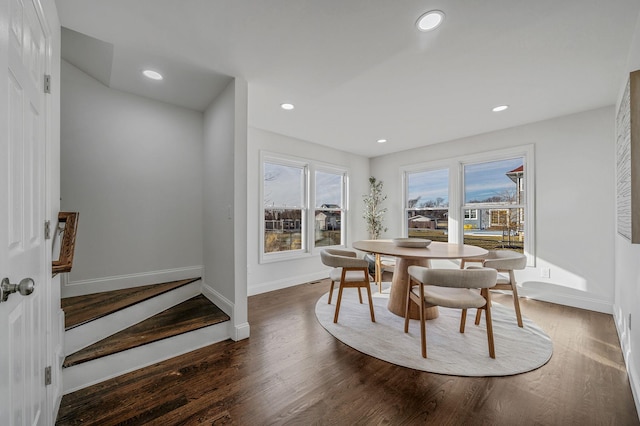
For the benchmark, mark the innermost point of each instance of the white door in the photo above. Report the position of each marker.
(23, 319)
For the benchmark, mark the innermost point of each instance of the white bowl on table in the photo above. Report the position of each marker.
(411, 242)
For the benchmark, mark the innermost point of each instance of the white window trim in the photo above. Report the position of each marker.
(310, 167)
(456, 191)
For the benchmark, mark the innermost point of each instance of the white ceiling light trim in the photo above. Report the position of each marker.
(381, 140)
(500, 108)
(430, 20)
(287, 106)
(153, 75)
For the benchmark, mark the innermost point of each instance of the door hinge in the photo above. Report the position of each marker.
(47, 229)
(47, 83)
(47, 376)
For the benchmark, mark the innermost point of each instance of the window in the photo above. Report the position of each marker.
(427, 204)
(482, 199)
(284, 206)
(495, 189)
(329, 212)
(290, 227)
(471, 214)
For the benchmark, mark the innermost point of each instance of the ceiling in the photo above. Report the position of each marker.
(358, 70)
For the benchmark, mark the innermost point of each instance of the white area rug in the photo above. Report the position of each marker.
(518, 350)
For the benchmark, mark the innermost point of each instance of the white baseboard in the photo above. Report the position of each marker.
(218, 299)
(634, 381)
(94, 331)
(574, 300)
(99, 370)
(622, 327)
(286, 282)
(240, 332)
(236, 331)
(119, 282)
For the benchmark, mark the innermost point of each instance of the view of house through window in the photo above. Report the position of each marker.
(329, 208)
(494, 204)
(284, 205)
(427, 206)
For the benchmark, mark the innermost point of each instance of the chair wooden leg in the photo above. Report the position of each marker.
(378, 274)
(492, 351)
(423, 331)
(463, 320)
(331, 291)
(373, 318)
(516, 305)
(478, 316)
(407, 306)
(335, 317)
(359, 295)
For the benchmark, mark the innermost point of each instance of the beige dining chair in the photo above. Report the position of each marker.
(450, 288)
(505, 262)
(350, 272)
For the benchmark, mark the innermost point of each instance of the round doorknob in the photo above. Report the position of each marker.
(24, 287)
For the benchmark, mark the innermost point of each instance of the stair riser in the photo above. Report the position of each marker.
(96, 371)
(94, 331)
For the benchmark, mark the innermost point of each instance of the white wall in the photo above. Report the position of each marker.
(275, 275)
(225, 200)
(132, 167)
(574, 175)
(627, 268)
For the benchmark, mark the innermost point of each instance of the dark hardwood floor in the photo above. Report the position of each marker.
(291, 371)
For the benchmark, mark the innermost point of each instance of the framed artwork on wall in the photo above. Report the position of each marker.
(628, 161)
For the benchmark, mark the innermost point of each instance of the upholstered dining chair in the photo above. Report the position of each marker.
(450, 288)
(505, 262)
(349, 271)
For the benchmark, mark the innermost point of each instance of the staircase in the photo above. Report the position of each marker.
(112, 333)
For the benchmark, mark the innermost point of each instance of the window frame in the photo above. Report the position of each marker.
(308, 208)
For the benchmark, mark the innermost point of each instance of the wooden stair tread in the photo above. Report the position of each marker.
(79, 310)
(195, 313)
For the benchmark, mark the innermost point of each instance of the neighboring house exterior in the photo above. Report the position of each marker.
(422, 222)
(328, 220)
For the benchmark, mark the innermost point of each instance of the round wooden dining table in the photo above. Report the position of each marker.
(407, 256)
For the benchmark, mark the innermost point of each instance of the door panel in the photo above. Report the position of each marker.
(23, 340)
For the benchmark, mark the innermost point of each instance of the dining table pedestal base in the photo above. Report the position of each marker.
(400, 287)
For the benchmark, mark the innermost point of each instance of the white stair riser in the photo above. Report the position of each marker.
(87, 334)
(96, 371)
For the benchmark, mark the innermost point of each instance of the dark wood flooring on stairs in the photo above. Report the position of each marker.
(291, 371)
(81, 309)
(195, 313)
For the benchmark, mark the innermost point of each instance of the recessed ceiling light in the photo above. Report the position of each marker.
(500, 108)
(430, 20)
(287, 107)
(381, 140)
(153, 75)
